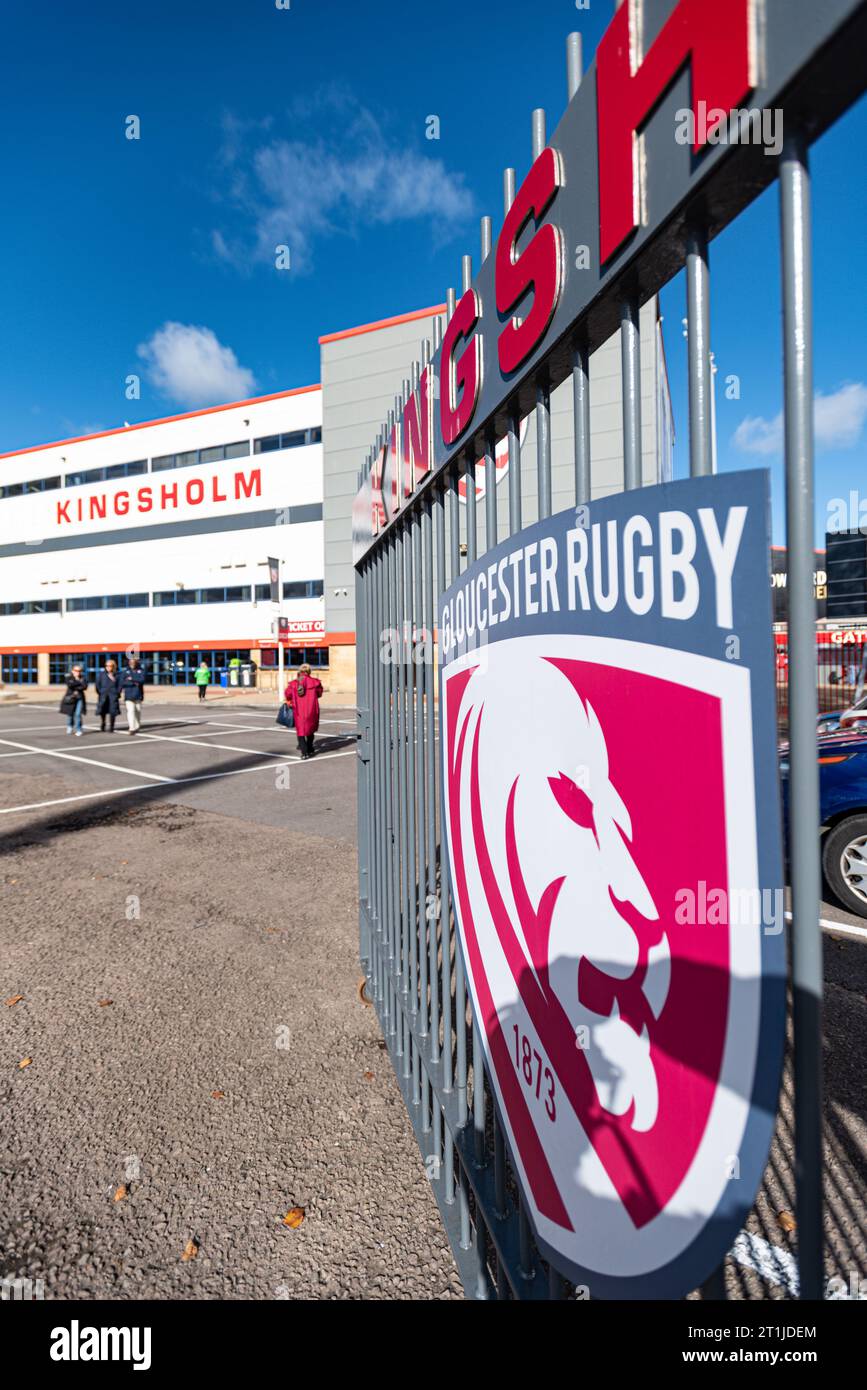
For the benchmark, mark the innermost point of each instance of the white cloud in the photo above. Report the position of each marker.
(190, 365)
(349, 175)
(838, 418)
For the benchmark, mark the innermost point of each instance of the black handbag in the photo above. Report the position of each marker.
(286, 716)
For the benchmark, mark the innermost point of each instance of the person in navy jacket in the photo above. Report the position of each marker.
(132, 690)
(108, 695)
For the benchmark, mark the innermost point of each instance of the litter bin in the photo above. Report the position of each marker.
(247, 676)
(234, 675)
(224, 678)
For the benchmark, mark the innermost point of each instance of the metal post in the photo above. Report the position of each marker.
(698, 346)
(486, 238)
(630, 353)
(543, 447)
(796, 236)
(490, 491)
(538, 132)
(581, 422)
(574, 64)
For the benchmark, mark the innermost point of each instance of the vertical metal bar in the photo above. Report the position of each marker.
(796, 235)
(538, 132)
(630, 353)
(419, 669)
(402, 810)
(485, 239)
(445, 891)
(433, 901)
(460, 983)
(472, 514)
(514, 437)
(445, 894)
(574, 64)
(698, 351)
(361, 793)
(394, 792)
(581, 422)
(412, 866)
(543, 448)
(490, 491)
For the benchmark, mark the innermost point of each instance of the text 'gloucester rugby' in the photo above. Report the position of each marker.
(641, 566)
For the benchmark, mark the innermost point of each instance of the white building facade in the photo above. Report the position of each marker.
(155, 539)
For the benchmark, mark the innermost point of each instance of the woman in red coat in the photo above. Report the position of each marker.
(303, 695)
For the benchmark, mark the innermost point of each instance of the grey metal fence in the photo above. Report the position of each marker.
(409, 950)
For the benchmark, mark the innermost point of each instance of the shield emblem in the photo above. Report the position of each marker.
(603, 849)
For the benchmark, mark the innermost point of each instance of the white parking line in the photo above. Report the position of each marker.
(92, 762)
(176, 781)
(771, 1262)
(844, 928)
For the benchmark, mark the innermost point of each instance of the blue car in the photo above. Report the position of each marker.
(843, 809)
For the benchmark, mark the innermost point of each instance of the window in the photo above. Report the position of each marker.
(61, 663)
(293, 588)
(214, 454)
(93, 602)
(29, 607)
(268, 443)
(304, 588)
(101, 475)
(238, 593)
(19, 669)
(178, 668)
(312, 656)
(34, 485)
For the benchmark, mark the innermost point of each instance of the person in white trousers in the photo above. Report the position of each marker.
(132, 690)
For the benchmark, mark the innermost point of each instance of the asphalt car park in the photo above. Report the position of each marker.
(234, 760)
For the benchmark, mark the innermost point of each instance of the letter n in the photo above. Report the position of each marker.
(717, 39)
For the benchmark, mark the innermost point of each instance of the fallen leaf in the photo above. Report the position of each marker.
(16, 999)
(217, 1095)
(103, 1003)
(25, 1062)
(190, 1252)
(293, 1218)
(368, 1076)
(121, 1193)
(786, 1221)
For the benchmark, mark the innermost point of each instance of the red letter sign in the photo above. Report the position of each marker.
(377, 505)
(416, 433)
(716, 37)
(539, 267)
(456, 414)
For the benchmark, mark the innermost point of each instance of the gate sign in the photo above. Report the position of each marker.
(610, 780)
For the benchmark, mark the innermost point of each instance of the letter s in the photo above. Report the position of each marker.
(539, 266)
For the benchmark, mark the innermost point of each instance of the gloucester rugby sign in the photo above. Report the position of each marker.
(607, 706)
(608, 201)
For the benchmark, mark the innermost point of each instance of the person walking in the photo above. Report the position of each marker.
(132, 690)
(303, 695)
(202, 678)
(73, 704)
(108, 695)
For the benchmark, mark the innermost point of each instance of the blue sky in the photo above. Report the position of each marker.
(306, 127)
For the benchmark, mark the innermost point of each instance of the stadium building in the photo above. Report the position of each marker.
(156, 537)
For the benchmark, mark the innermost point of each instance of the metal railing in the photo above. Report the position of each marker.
(408, 939)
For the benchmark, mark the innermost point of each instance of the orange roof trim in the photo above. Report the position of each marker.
(164, 420)
(384, 323)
